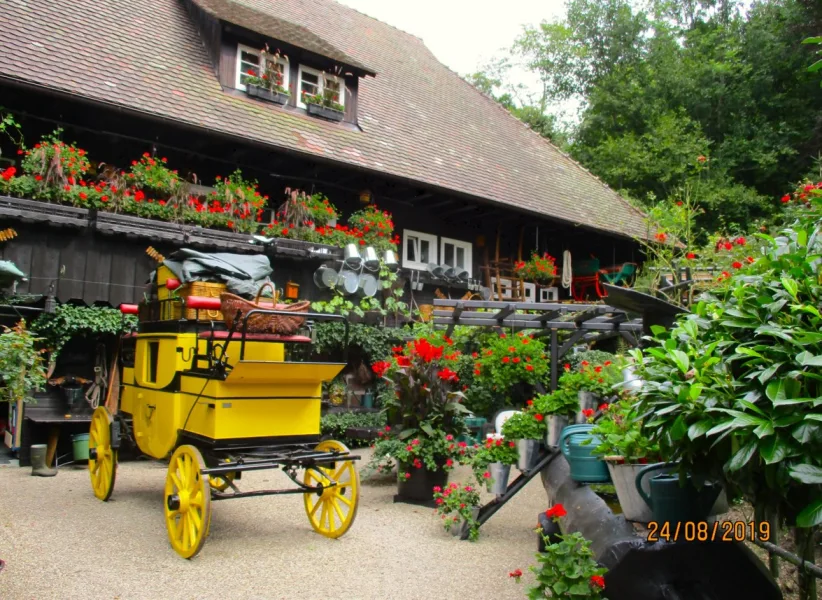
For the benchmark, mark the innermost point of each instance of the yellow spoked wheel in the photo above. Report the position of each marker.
(332, 513)
(187, 502)
(220, 482)
(102, 463)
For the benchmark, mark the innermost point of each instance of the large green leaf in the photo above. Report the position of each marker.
(773, 450)
(806, 359)
(679, 428)
(681, 360)
(811, 515)
(807, 473)
(742, 456)
(699, 429)
(769, 372)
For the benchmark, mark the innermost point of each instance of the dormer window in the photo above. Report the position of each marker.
(248, 65)
(316, 83)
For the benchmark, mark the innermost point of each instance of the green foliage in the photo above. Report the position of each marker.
(818, 64)
(508, 363)
(335, 424)
(375, 343)
(429, 450)
(561, 402)
(594, 357)
(620, 429)
(22, 369)
(496, 449)
(384, 458)
(68, 320)
(597, 379)
(524, 426)
(456, 503)
(734, 388)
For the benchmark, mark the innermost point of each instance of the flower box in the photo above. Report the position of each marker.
(324, 112)
(255, 91)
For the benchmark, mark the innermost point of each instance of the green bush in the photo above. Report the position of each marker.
(594, 357)
(336, 424)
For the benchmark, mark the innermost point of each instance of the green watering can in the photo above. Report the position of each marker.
(585, 466)
(673, 503)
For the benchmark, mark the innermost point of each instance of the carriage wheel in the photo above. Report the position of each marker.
(220, 482)
(102, 464)
(187, 503)
(332, 513)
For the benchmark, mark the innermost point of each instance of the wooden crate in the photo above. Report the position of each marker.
(173, 310)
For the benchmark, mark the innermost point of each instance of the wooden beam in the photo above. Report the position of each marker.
(571, 341)
(456, 211)
(521, 324)
(505, 312)
(554, 359)
(456, 317)
(629, 337)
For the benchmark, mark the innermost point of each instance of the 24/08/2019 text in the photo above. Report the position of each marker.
(702, 531)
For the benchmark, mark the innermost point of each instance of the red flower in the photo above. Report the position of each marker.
(740, 241)
(556, 511)
(139, 196)
(607, 363)
(737, 265)
(598, 581)
(539, 417)
(690, 256)
(397, 349)
(585, 363)
(487, 475)
(447, 375)
(83, 196)
(567, 366)
(474, 355)
(529, 367)
(603, 407)
(515, 574)
(529, 402)
(408, 475)
(505, 359)
(516, 359)
(728, 246)
(588, 412)
(751, 259)
(380, 367)
(597, 369)
(38, 178)
(701, 158)
(426, 351)
(661, 237)
(786, 198)
(503, 336)
(8, 173)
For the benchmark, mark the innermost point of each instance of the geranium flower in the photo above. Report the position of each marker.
(740, 241)
(539, 417)
(598, 581)
(661, 237)
(447, 375)
(737, 265)
(529, 367)
(690, 256)
(516, 574)
(598, 369)
(728, 246)
(751, 259)
(786, 198)
(556, 511)
(588, 412)
(607, 363)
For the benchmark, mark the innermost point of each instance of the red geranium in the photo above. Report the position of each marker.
(556, 511)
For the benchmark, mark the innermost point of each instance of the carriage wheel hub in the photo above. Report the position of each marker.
(173, 502)
(92, 453)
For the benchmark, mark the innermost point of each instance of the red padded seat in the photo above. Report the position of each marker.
(256, 337)
(131, 334)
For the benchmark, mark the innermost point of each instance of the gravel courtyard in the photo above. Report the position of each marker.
(60, 542)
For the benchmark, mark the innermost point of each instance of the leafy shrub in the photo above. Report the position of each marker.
(336, 424)
(68, 320)
(594, 357)
(22, 368)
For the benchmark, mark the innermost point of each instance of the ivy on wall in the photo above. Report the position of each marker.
(57, 328)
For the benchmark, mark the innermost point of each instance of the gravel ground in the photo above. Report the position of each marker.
(60, 542)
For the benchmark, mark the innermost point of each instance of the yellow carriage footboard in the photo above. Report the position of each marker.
(258, 399)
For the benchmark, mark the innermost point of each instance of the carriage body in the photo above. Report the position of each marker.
(172, 394)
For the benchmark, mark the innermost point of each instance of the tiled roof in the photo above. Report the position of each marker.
(277, 28)
(419, 120)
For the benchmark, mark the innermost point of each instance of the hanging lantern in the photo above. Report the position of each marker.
(365, 197)
(292, 290)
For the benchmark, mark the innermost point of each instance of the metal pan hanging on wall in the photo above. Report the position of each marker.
(367, 285)
(325, 277)
(347, 282)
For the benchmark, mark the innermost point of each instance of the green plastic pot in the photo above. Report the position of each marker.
(80, 446)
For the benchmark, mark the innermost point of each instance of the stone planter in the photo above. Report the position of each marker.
(324, 111)
(256, 91)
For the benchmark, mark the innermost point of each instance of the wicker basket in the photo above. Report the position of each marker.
(197, 288)
(263, 323)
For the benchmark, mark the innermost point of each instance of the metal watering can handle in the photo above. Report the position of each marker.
(641, 475)
(568, 432)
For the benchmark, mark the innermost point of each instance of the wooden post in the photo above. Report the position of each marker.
(806, 550)
(51, 446)
(554, 360)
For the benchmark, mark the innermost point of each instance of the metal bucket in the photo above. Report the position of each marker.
(390, 260)
(528, 454)
(633, 506)
(498, 483)
(367, 286)
(372, 261)
(586, 400)
(352, 256)
(348, 282)
(325, 277)
(555, 425)
(462, 527)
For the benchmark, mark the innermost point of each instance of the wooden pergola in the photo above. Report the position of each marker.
(584, 322)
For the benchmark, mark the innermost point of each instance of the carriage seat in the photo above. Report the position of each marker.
(256, 337)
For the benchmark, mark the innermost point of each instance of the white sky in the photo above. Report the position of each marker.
(462, 34)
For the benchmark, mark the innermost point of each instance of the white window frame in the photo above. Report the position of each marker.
(529, 292)
(432, 244)
(256, 52)
(507, 288)
(469, 249)
(320, 75)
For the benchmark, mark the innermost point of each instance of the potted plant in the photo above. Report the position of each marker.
(591, 383)
(427, 410)
(528, 430)
(560, 408)
(567, 568)
(325, 104)
(22, 368)
(458, 506)
(625, 449)
(511, 366)
(538, 268)
(267, 85)
(492, 463)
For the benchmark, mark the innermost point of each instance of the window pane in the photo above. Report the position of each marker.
(249, 65)
(411, 248)
(448, 254)
(424, 251)
(460, 258)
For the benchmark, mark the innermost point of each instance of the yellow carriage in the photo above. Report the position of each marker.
(217, 401)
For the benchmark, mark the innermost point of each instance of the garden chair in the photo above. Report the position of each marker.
(586, 275)
(619, 274)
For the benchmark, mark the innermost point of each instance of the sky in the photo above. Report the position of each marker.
(462, 34)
